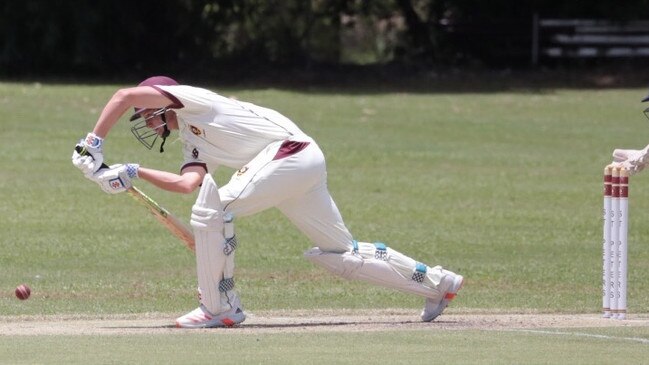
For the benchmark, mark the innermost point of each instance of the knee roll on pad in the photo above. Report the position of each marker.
(206, 219)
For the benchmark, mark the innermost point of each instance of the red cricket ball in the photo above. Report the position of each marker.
(23, 291)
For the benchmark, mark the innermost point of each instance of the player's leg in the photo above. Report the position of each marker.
(297, 186)
(266, 181)
(317, 216)
(219, 302)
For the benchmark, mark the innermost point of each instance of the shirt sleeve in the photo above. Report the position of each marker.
(191, 157)
(192, 100)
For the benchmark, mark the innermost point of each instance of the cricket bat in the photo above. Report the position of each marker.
(173, 224)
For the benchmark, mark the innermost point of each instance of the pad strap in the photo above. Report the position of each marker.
(226, 285)
(381, 252)
(230, 245)
(419, 273)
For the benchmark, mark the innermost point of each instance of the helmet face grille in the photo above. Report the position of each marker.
(144, 134)
(148, 136)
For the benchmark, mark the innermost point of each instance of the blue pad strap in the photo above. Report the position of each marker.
(420, 272)
(381, 252)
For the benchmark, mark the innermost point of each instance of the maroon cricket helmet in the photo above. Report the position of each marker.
(153, 81)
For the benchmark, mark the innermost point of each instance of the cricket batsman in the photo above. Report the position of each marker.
(277, 165)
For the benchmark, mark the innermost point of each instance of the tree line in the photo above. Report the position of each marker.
(104, 38)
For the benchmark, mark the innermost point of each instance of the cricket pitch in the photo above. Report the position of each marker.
(305, 321)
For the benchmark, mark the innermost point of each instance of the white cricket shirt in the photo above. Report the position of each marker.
(216, 130)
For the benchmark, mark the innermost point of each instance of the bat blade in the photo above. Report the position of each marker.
(173, 224)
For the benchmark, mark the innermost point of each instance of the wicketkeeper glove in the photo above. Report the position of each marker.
(90, 154)
(117, 178)
(633, 161)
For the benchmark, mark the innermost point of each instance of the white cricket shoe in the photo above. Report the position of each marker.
(434, 308)
(202, 318)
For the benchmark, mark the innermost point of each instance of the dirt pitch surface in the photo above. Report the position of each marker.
(305, 321)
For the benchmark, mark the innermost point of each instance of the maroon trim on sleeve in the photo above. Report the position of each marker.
(190, 164)
(289, 148)
(176, 104)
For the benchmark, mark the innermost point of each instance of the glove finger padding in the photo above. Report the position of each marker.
(91, 146)
(83, 163)
(635, 169)
(633, 157)
(639, 168)
(78, 160)
(620, 155)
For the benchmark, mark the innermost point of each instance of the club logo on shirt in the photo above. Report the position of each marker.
(195, 153)
(195, 130)
(242, 170)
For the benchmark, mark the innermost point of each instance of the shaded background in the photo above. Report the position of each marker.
(310, 41)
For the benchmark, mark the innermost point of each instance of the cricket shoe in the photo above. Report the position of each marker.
(202, 318)
(434, 308)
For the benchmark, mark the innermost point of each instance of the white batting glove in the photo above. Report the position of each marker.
(91, 149)
(116, 178)
(83, 163)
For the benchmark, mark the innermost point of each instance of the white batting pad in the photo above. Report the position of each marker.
(381, 265)
(216, 291)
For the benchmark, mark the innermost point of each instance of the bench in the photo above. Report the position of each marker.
(588, 39)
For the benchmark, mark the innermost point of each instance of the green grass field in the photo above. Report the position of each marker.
(503, 187)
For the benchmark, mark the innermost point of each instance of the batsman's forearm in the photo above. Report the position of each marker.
(113, 110)
(169, 181)
(122, 100)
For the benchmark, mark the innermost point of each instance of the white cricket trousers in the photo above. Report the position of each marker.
(297, 186)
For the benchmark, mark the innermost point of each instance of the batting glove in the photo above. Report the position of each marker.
(116, 178)
(83, 163)
(91, 152)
